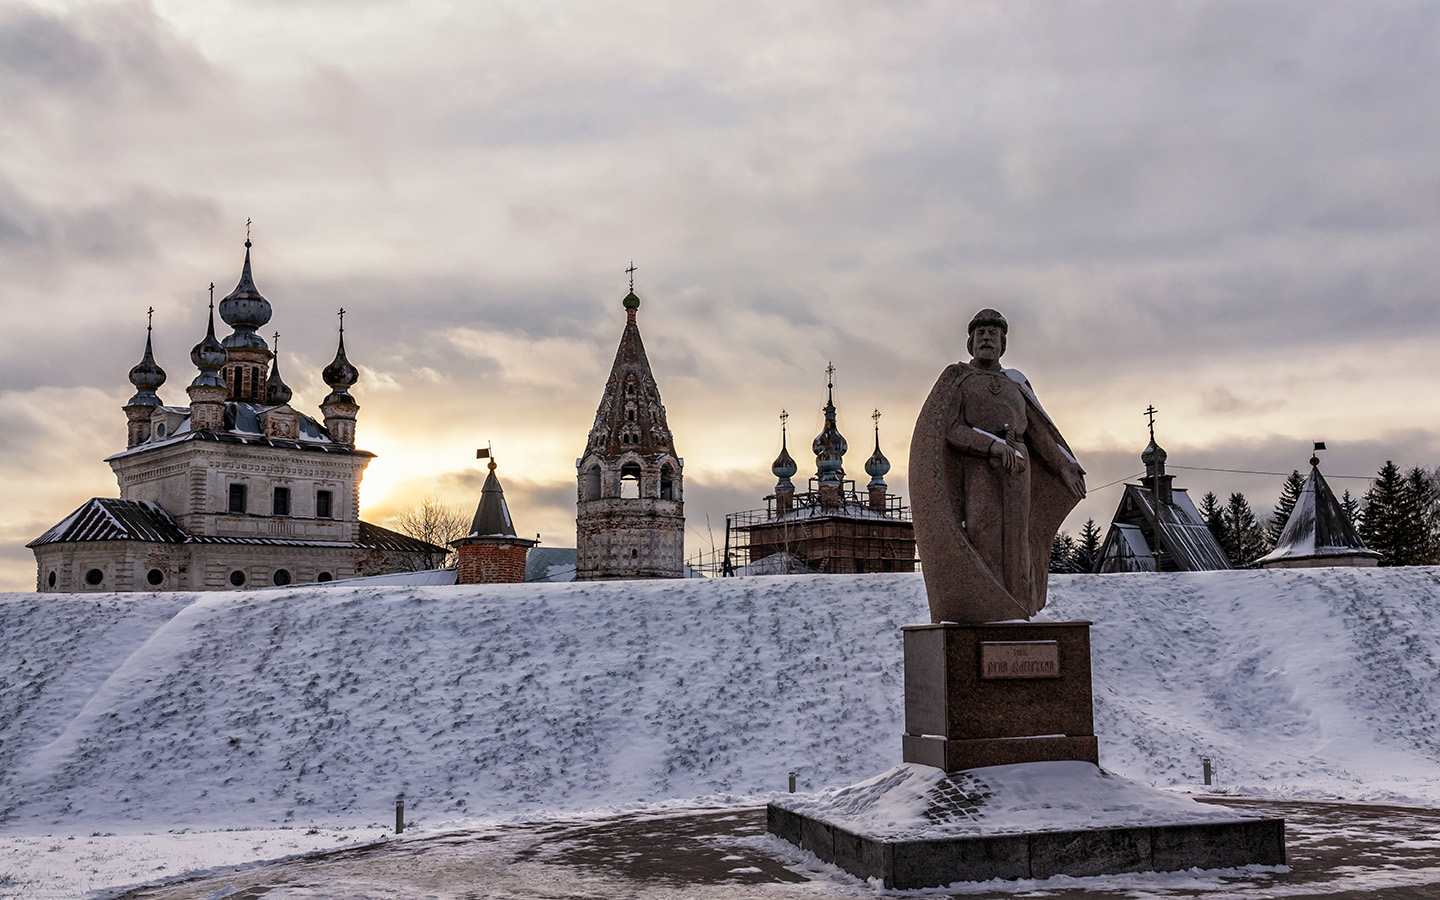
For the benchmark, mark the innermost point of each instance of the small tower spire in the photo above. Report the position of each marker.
(146, 376)
(339, 407)
(277, 392)
(829, 447)
(783, 468)
(208, 391)
(876, 467)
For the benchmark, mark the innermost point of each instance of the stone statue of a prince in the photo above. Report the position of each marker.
(991, 480)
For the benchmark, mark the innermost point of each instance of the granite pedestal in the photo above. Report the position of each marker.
(1007, 694)
(998, 694)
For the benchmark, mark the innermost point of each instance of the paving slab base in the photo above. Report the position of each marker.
(909, 863)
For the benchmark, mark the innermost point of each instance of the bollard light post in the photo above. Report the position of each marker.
(400, 813)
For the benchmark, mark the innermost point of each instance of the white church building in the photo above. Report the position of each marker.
(235, 490)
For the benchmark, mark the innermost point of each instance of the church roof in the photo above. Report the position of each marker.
(1188, 540)
(113, 519)
(242, 426)
(1317, 527)
(631, 416)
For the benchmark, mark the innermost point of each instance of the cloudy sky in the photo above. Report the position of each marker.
(1227, 209)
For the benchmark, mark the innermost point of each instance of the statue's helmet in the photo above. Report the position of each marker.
(987, 316)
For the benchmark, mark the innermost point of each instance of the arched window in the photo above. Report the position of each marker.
(592, 483)
(667, 484)
(630, 481)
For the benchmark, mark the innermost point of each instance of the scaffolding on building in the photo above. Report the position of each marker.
(853, 533)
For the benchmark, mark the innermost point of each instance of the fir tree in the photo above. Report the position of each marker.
(1351, 508)
(1062, 554)
(1244, 539)
(1213, 514)
(1420, 517)
(1289, 493)
(1087, 548)
(1382, 524)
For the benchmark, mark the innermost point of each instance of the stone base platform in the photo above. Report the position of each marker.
(916, 827)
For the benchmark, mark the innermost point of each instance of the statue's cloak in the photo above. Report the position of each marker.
(961, 587)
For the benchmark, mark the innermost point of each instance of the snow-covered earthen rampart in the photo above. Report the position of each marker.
(319, 705)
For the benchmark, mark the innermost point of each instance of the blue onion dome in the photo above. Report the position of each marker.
(209, 356)
(340, 375)
(877, 465)
(245, 310)
(146, 376)
(784, 467)
(277, 391)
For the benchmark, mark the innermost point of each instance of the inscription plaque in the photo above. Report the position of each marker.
(1019, 659)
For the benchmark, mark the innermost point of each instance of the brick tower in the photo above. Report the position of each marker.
(491, 553)
(630, 515)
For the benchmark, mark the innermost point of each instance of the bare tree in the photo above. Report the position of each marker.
(434, 522)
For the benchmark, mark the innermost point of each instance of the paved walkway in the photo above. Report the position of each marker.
(1336, 852)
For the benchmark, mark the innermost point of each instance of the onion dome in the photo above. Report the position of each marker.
(631, 301)
(1154, 455)
(146, 376)
(340, 375)
(245, 310)
(877, 465)
(784, 467)
(209, 356)
(829, 445)
(277, 392)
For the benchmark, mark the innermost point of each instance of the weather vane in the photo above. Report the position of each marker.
(631, 272)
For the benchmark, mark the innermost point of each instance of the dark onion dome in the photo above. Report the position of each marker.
(1154, 454)
(784, 467)
(245, 310)
(277, 392)
(146, 376)
(877, 465)
(209, 356)
(631, 301)
(829, 445)
(340, 375)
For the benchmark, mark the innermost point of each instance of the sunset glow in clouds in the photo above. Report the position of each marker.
(1229, 210)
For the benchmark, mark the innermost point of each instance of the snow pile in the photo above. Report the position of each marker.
(916, 802)
(317, 705)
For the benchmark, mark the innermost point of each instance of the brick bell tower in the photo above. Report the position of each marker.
(630, 511)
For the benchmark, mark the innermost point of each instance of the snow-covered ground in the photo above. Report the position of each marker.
(312, 708)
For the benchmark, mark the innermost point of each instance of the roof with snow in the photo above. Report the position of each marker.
(242, 426)
(1318, 531)
(1188, 543)
(113, 519)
